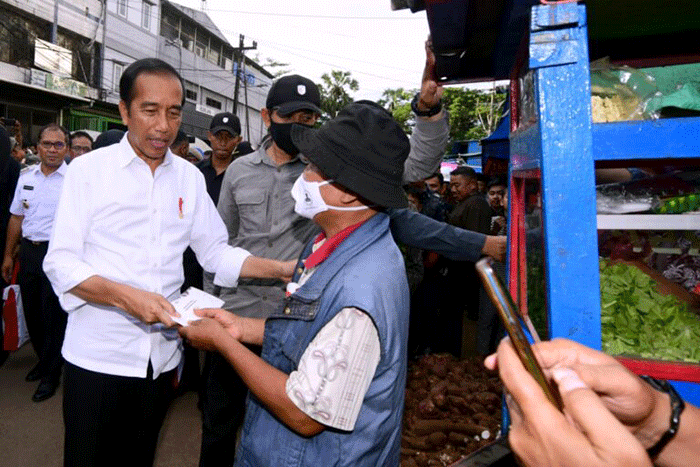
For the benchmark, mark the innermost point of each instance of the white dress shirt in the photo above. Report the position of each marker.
(118, 220)
(36, 198)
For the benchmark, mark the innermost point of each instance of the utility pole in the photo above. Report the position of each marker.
(240, 55)
(54, 26)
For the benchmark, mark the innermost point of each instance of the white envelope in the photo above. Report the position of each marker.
(193, 299)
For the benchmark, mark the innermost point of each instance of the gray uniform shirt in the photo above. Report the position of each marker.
(257, 207)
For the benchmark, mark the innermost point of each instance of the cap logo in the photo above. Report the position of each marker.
(301, 89)
(225, 120)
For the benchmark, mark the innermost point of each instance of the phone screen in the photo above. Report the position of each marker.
(507, 311)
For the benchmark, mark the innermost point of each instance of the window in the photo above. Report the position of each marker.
(214, 103)
(122, 7)
(169, 26)
(225, 61)
(116, 75)
(200, 47)
(214, 52)
(146, 15)
(187, 36)
(191, 93)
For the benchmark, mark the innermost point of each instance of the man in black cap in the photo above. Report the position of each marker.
(224, 135)
(328, 388)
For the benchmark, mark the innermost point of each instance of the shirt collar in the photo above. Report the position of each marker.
(62, 168)
(325, 250)
(260, 156)
(127, 154)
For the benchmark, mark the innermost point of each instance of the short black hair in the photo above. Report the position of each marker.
(497, 181)
(464, 171)
(181, 137)
(439, 176)
(145, 65)
(54, 127)
(413, 190)
(81, 134)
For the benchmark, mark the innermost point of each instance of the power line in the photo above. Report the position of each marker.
(293, 15)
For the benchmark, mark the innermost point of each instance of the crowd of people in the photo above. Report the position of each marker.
(306, 358)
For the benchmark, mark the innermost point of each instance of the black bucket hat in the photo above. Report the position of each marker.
(362, 149)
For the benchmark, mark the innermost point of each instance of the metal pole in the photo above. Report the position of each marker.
(247, 120)
(54, 27)
(238, 73)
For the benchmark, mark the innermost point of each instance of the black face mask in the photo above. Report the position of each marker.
(281, 135)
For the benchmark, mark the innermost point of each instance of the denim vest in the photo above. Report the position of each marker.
(365, 271)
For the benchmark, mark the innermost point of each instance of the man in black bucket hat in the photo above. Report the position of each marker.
(333, 364)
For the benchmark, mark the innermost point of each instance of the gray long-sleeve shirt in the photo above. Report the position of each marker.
(257, 207)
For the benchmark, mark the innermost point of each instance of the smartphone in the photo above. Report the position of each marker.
(510, 317)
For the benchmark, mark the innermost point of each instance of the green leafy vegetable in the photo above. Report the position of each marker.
(638, 320)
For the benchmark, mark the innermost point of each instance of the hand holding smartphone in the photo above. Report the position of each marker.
(507, 311)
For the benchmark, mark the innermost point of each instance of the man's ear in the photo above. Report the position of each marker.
(124, 112)
(238, 139)
(266, 116)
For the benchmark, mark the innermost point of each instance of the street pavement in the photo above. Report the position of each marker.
(31, 434)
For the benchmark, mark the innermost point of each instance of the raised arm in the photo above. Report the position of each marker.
(430, 134)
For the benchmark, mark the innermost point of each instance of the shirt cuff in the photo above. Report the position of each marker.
(68, 301)
(229, 268)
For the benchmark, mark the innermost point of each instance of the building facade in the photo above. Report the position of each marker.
(61, 61)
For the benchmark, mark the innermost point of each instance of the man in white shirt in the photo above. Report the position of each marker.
(127, 212)
(32, 213)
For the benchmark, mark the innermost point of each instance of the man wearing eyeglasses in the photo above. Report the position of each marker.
(32, 213)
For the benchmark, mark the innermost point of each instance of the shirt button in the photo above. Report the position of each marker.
(264, 298)
(287, 310)
(269, 244)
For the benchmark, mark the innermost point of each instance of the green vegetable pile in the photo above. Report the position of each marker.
(638, 320)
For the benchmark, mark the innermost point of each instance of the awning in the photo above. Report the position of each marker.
(30, 87)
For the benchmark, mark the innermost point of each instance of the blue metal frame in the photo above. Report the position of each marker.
(564, 145)
(560, 145)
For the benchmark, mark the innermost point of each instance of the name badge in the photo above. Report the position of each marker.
(28, 187)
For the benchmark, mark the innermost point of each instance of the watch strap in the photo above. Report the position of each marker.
(425, 113)
(677, 406)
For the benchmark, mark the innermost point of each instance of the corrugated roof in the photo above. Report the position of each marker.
(200, 18)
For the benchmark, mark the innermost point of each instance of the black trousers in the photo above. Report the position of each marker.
(223, 408)
(113, 420)
(46, 320)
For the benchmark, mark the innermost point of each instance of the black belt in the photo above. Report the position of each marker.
(34, 242)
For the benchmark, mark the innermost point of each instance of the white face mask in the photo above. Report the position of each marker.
(308, 200)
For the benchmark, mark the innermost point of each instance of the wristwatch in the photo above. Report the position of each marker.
(677, 406)
(425, 113)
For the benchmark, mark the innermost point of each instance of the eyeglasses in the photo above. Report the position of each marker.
(56, 144)
(80, 149)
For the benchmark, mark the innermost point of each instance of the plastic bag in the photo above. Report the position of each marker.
(15, 333)
(620, 93)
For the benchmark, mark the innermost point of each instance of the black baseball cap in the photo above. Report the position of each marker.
(292, 93)
(225, 121)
